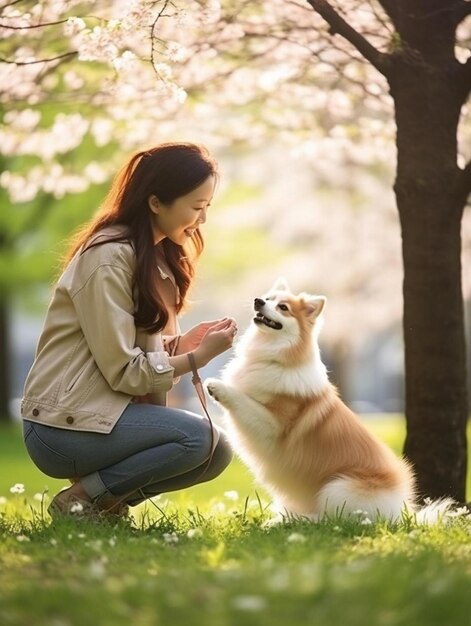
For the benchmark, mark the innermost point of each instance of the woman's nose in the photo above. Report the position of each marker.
(202, 217)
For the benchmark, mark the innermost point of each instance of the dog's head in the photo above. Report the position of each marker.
(281, 312)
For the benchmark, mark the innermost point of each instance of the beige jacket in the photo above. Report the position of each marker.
(91, 359)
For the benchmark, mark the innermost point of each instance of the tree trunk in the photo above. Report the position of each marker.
(5, 361)
(427, 107)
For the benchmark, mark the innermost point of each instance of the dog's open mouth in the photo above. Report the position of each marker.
(262, 319)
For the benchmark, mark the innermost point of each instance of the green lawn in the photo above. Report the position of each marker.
(205, 557)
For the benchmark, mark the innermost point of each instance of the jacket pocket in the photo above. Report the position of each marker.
(81, 383)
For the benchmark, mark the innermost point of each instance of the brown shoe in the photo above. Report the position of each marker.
(65, 504)
(112, 507)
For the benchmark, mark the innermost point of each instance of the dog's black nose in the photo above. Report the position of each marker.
(258, 303)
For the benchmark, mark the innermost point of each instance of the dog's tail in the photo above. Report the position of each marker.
(434, 511)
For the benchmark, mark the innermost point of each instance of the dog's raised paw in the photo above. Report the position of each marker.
(214, 387)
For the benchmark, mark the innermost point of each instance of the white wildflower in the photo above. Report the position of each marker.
(53, 542)
(40, 496)
(231, 495)
(3, 500)
(97, 568)
(296, 538)
(366, 521)
(193, 533)
(249, 603)
(22, 538)
(280, 580)
(17, 488)
(218, 507)
(76, 507)
(171, 537)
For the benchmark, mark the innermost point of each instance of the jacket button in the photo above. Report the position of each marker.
(35, 412)
(70, 419)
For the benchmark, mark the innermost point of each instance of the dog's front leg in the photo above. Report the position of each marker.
(250, 416)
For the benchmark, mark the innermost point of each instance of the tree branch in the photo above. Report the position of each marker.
(462, 187)
(9, 4)
(339, 26)
(8, 27)
(60, 56)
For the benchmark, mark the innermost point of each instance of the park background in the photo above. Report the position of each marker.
(306, 140)
(303, 129)
(305, 137)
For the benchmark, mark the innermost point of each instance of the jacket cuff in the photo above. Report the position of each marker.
(159, 361)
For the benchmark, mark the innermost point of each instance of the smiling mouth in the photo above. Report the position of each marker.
(262, 319)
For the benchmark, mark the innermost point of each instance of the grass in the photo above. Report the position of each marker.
(200, 557)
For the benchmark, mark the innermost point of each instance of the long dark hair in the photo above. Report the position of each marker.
(167, 171)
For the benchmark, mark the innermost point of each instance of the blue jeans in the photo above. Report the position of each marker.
(151, 450)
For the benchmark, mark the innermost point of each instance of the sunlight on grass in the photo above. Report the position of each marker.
(224, 559)
(208, 555)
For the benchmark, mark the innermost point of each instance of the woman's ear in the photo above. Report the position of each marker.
(154, 204)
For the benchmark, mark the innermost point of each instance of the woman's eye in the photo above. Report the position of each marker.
(283, 307)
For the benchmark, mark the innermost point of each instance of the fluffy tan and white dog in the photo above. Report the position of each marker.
(288, 424)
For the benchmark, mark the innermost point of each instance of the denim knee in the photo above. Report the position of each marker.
(221, 458)
(198, 442)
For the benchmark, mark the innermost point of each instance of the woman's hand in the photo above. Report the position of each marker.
(217, 339)
(210, 339)
(192, 339)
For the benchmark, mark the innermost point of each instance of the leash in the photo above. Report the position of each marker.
(198, 385)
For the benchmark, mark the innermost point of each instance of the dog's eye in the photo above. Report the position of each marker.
(283, 307)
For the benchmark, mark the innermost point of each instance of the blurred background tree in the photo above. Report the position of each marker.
(316, 91)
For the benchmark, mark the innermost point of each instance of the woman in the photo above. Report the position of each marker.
(94, 401)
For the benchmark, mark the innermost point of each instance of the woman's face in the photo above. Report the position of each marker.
(179, 220)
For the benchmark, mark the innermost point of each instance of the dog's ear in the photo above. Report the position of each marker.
(280, 284)
(314, 305)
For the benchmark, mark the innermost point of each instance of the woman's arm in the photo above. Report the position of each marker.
(216, 340)
(105, 310)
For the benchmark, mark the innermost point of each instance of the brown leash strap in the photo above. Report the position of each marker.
(196, 380)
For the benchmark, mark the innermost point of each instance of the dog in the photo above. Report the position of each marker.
(286, 421)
